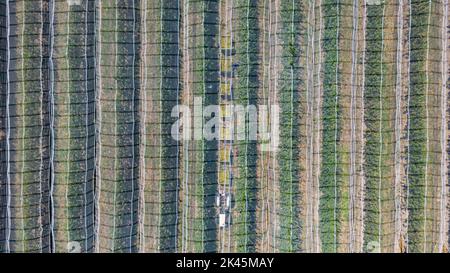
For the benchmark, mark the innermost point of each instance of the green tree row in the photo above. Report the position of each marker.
(73, 140)
(373, 96)
(246, 38)
(118, 139)
(330, 178)
(417, 129)
(28, 136)
(292, 27)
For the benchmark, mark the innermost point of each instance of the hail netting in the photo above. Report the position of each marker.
(89, 162)
(161, 153)
(245, 34)
(3, 153)
(27, 112)
(118, 137)
(73, 136)
(200, 156)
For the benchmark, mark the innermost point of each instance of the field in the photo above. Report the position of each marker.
(224, 126)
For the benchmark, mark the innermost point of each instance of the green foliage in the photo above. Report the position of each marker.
(372, 116)
(246, 93)
(28, 139)
(169, 150)
(289, 99)
(330, 168)
(417, 125)
(206, 86)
